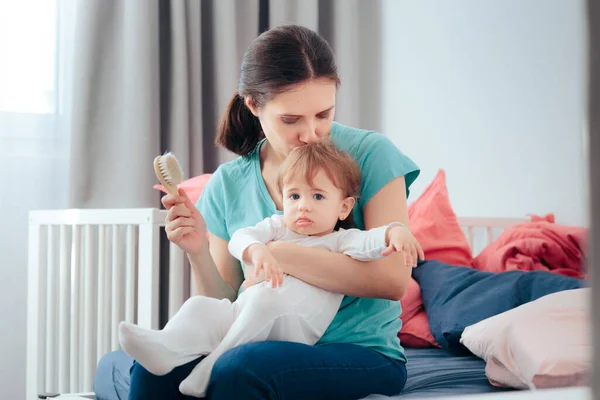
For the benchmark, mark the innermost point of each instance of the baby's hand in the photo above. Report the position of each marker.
(262, 259)
(399, 239)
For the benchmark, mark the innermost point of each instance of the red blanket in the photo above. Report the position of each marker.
(537, 245)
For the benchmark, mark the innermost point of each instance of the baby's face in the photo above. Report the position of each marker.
(314, 210)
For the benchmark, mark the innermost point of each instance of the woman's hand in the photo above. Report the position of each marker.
(184, 225)
(399, 239)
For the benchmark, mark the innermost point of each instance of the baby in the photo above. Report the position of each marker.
(319, 185)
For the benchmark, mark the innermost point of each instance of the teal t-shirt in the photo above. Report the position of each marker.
(236, 197)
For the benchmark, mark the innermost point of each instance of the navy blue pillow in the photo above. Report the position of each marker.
(456, 297)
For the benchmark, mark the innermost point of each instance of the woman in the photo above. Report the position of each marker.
(286, 98)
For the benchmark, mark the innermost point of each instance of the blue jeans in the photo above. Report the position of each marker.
(283, 371)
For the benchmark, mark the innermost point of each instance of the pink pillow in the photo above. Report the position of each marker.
(541, 344)
(193, 187)
(435, 226)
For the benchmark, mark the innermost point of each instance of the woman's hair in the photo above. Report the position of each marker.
(340, 167)
(277, 59)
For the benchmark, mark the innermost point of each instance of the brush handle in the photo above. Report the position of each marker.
(171, 190)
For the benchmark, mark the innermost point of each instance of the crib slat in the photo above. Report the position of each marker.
(116, 296)
(64, 304)
(51, 312)
(471, 237)
(490, 235)
(76, 321)
(107, 293)
(89, 362)
(176, 279)
(103, 320)
(130, 275)
(101, 288)
(148, 274)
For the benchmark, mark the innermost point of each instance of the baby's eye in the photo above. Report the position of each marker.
(294, 196)
(318, 196)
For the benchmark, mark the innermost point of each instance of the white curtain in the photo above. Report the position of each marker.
(34, 52)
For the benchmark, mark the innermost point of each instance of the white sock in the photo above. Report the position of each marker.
(147, 348)
(196, 330)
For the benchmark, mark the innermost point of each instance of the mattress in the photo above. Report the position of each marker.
(431, 372)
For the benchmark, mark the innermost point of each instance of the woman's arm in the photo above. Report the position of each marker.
(385, 278)
(216, 272)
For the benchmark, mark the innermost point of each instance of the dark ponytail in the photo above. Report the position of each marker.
(276, 60)
(239, 130)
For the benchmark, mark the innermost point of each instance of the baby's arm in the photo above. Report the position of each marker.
(265, 231)
(365, 245)
(249, 246)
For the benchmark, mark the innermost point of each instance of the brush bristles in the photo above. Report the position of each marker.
(169, 170)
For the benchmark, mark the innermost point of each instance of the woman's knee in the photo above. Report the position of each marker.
(239, 374)
(145, 385)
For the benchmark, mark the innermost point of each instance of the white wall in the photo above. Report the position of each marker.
(492, 92)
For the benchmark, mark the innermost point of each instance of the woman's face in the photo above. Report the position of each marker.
(300, 115)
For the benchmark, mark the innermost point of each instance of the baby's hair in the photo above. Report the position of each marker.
(340, 167)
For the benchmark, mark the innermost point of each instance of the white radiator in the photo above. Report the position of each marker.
(89, 270)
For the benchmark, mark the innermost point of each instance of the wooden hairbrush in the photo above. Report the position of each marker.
(169, 172)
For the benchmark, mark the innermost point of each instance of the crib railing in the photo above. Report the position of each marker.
(482, 231)
(89, 270)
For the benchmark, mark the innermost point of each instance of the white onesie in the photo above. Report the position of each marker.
(296, 311)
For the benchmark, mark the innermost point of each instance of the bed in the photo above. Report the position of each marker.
(90, 269)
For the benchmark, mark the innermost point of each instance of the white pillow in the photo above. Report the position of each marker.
(541, 344)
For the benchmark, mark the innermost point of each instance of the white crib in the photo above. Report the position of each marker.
(88, 270)
(91, 269)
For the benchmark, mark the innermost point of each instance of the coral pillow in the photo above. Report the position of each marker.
(436, 228)
(412, 302)
(415, 332)
(193, 187)
(544, 343)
